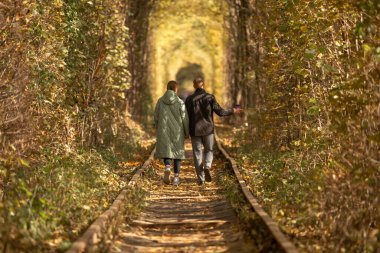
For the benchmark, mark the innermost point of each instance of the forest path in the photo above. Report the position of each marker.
(187, 218)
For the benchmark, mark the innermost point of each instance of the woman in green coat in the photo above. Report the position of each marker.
(172, 123)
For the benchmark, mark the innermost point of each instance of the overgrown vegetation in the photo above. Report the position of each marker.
(72, 72)
(307, 73)
(48, 206)
(262, 240)
(65, 141)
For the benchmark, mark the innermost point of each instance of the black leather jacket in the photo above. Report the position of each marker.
(200, 107)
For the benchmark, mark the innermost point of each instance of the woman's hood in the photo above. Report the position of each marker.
(169, 97)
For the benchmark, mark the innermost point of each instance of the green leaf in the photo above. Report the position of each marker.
(24, 163)
(310, 53)
(313, 110)
(367, 48)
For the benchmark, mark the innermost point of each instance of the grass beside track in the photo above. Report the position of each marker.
(249, 220)
(48, 210)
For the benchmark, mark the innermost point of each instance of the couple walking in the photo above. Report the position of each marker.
(176, 120)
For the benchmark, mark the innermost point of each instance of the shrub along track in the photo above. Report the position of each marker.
(189, 217)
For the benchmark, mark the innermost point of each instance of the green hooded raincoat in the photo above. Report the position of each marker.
(172, 123)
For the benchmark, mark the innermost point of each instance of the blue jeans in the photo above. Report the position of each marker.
(204, 161)
(177, 164)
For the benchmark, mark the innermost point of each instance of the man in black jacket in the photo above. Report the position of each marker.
(201, 107)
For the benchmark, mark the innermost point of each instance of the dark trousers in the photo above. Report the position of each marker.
(177, 164)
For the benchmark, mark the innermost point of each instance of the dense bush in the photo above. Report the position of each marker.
(63, 73)
(308, 74)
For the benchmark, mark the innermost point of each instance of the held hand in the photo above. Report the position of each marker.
(237, 110)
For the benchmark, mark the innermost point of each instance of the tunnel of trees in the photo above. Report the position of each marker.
(79, 80)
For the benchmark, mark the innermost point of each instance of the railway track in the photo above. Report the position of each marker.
(187, 218)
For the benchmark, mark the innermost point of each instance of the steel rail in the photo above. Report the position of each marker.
(92, 236)
(282, 240)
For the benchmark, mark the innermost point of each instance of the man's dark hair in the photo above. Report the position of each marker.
(198, 80)
(172, 85)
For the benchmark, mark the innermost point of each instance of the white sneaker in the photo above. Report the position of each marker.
(167, 175)
(176, 180)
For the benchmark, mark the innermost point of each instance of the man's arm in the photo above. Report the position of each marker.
(219, 110)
